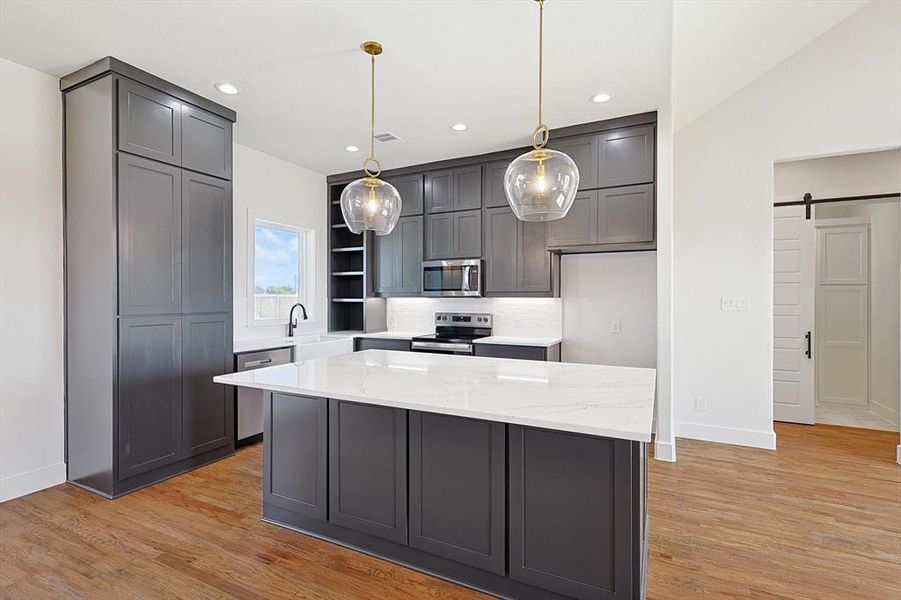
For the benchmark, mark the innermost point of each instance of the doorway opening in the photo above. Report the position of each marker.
(836, 288)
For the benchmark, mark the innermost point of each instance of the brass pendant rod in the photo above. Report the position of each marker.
(540, 56)
(372, 107)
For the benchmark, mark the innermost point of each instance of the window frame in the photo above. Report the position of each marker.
(304, 264)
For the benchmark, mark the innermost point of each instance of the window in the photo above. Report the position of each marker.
(279, 271)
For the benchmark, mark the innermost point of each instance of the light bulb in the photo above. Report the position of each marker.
(540, 178)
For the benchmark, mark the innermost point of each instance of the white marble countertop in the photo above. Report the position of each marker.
(255, 345)
(615, 402)
(510, 340)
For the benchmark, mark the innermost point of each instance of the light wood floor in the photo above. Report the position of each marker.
(819, 518)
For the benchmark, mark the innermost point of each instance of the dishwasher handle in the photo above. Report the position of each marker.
(257, 363)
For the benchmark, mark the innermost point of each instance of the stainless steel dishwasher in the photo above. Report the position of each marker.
(249, 413)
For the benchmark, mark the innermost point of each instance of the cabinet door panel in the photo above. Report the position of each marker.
(387, 249)
(149, 122)
(440, 236)
(149, 228)
(467, 234)
(439, 191)
(207, 407)
(570, 510)
(206, 244)
(296, 470)
(533, 265)
(502, 239)
(150, 394)
(626, 156)
(410, 188)
(579, 226)
(584, 152)
(457, 489)
(368, 469)
(468, 187)
(493, 194)
(410, 255)
(206, 142)
(626, 215)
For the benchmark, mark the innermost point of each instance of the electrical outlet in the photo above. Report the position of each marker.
(616, 326)
(735, 304)
(700, 404)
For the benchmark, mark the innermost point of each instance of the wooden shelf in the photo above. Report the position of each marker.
(340, 226)
(348, 249)
(347, 274)
(349, 300)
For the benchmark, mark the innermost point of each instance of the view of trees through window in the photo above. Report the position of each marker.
(277, 268)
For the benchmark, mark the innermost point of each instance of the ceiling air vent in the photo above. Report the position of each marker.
(386, 136)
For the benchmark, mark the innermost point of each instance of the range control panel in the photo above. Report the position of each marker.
(463, 319)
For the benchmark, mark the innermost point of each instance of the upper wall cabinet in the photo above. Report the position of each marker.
(206, 142)
(516, 261)
(454, 235)
(584, 152)
(149, 122)
(410, 188)
(399, 259)
(626, 156)
(493, 194)
(157, 126)
(453, 189)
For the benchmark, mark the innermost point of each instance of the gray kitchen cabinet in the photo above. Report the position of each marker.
(579, 226)
(150, 393)
(363, 343)
(454, 235)
(149, 122)
(148, 263)
(545, 353)
(570, 501)
(150, 236)
(410, 188)
(493, 194)
(368, 469)
(626, 156)
(206, 246)
(399, 256)
(458, 489)
(467, 234)
(453, 189)
(206, 142)
(516, 259)
(295, 475)
(626, 215)
(584, 152)
(207, 407)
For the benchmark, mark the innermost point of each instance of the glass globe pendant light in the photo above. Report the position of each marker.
(542, 183)
(369, 203)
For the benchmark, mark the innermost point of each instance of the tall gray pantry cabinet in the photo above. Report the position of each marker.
(148, 238)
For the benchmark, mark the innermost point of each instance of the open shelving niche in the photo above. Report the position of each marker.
(351, 305)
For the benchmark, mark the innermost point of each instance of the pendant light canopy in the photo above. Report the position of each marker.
(369, 203)
(542, 183)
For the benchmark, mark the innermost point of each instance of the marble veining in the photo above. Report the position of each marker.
(598, 400)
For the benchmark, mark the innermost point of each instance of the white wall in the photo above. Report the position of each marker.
(839, 94)
(31, 281)
(528, 317)
(838, 176)
(598, 289)
(270, 188)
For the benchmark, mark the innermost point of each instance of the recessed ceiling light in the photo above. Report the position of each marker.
(226, 88)
(600, 98)
(459, 127)
(352, 148)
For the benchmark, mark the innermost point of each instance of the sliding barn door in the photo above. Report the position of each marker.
(794, 259)
(843, 316)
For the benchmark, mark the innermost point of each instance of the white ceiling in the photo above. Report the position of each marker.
(305, 83)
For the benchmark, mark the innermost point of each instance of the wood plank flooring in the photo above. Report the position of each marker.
(819, 518)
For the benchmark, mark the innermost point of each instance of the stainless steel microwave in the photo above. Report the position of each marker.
(452, 277)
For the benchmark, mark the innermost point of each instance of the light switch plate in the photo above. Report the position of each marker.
(742, 304)
(700, 404)
(616, 326)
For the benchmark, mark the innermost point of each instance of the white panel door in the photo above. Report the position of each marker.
(794, 260)
(842, 314)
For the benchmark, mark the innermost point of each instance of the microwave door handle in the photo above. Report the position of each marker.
(466, 274)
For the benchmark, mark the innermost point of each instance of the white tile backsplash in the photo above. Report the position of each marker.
(524, 317)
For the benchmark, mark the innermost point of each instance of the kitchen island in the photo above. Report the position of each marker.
(523, 479)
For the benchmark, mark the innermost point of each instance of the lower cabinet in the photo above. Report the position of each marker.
(570, 513)
(208, 412)
(368, 469)
(458, 489)
(549, 353)
(362, 343)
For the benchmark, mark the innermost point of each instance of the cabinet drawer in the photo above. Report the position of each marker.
(361, 344)
(265, 358)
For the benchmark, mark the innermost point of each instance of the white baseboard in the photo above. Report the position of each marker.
(727, 435)
(898, 457)
(665, 451)
(32, 481)
(884, 412)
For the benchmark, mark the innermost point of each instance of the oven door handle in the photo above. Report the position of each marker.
(442, 346)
